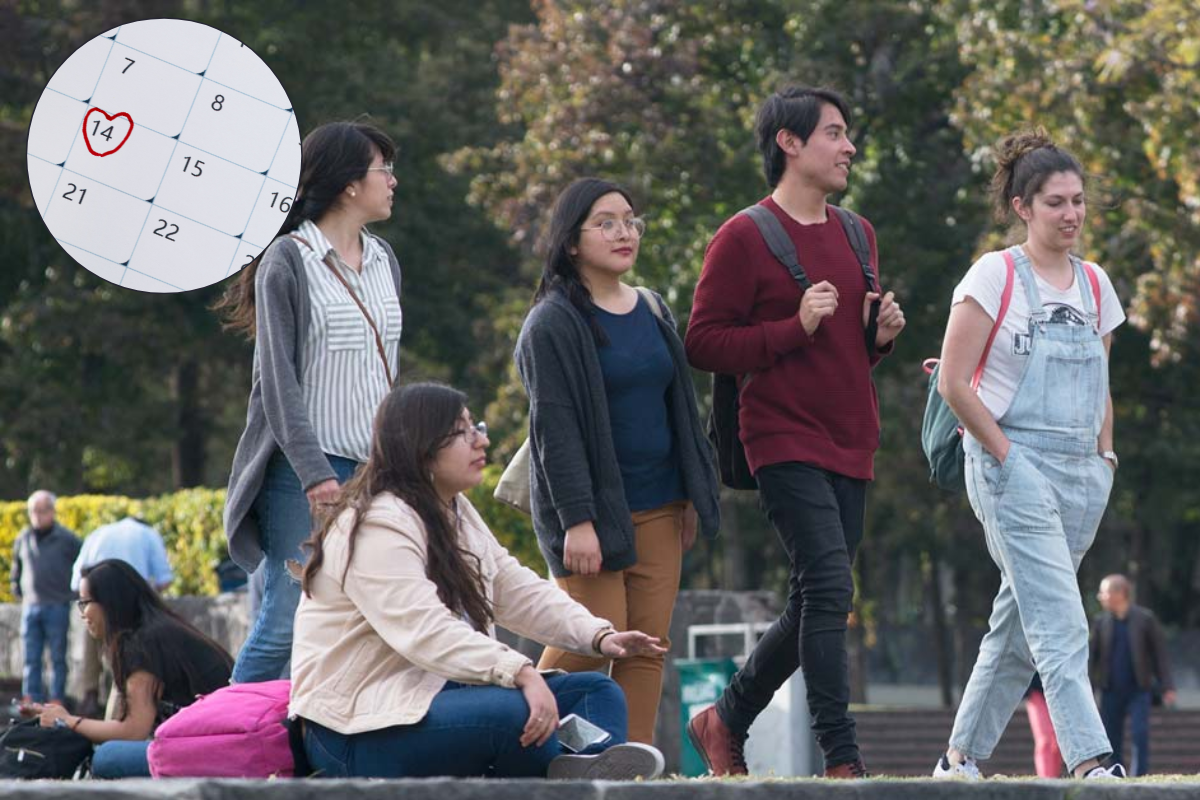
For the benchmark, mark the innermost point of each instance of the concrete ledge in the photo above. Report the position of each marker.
(452, 789)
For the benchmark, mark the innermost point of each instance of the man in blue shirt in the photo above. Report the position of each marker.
(1128, 656)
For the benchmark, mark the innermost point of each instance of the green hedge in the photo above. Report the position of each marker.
(190, 523)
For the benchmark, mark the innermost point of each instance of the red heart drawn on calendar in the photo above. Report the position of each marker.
(105, 133)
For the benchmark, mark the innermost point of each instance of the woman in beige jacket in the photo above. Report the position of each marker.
(396, 671)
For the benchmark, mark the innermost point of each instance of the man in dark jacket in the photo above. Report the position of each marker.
(41, 578)
(1128, 655)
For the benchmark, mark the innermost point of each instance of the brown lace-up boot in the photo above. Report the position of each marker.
(721, 750)
(851, 769)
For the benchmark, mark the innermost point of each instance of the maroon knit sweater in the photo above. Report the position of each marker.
(809, 399)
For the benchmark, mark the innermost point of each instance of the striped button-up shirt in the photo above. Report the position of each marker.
(342, 376)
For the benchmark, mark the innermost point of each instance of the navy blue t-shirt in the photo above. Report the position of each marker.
(1120, 668)
(638, 371)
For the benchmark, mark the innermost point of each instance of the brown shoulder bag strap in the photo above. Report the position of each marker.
(374, 329)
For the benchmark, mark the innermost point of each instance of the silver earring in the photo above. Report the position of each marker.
(352, 193)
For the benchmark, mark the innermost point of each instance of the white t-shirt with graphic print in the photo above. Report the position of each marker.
(984, 283)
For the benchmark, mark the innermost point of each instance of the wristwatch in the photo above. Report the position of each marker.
(1111, 455)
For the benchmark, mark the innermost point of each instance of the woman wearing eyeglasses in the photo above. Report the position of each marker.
(396, 671)
(621, 471)
(160, 664)
(323, 307)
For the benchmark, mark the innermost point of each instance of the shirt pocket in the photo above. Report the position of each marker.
(393, 319)
(345, 328)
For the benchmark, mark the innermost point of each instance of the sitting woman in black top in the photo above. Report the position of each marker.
(160, 664)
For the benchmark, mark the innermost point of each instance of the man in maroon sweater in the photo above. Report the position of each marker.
(809, 417)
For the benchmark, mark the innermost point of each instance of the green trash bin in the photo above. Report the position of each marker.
(701, 682)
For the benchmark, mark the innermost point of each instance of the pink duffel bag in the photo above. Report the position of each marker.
(238, 731)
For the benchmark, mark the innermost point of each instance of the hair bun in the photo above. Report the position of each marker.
(1010, 149)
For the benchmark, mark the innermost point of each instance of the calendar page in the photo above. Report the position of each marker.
(163, 155)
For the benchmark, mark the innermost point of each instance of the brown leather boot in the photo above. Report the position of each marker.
(721, 750)
(851, 769)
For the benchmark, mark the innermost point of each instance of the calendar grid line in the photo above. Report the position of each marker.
(152, 277)
(279, 144)
(99, 73)
(216, 44)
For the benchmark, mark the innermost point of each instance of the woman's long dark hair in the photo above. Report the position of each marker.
(412, 424)
(332, 157)
(139, 629)
(571, 210)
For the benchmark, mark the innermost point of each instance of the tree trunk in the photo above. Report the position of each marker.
(940, 629)
(733, 550)
(187, 455)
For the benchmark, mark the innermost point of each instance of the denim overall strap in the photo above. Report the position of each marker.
(1060, 399)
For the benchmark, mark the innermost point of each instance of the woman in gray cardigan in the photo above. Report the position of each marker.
(323, 306)
(621, 471)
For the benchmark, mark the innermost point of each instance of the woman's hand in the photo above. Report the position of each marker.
(50, 712)
(543, 708)
(687, 533)
(581, 551)
(324, 493)
(631, 643)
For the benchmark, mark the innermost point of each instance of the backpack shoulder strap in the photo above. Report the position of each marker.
(852, 224)
(1010, 269)
(857, 236)
(651, 300)
(778, 241)
(1094, 280)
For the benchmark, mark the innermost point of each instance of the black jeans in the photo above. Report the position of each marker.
(819, 518)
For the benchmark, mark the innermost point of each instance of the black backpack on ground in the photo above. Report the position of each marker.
(29, 751)
(723, 426)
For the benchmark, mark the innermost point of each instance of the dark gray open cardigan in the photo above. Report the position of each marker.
(574, 472)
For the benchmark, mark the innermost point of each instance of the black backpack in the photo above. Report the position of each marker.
(29, 751)
(723, 427)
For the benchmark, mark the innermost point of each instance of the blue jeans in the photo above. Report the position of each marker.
(285, 523)
(121, 759)
(468, 731)
(1114, 706)
(45, 625)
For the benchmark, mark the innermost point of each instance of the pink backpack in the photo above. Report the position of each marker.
(237, 731)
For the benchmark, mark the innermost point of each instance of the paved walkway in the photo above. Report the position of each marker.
(442, 789)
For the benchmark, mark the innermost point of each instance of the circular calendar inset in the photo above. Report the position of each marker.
(164, 155)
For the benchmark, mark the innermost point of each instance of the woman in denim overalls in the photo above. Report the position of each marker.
(1039, 454)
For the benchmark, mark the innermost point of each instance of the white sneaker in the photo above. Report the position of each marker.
(621, 762)
(1115, 772)
(968, 770)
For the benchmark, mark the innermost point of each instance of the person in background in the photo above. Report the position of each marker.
(1047, 758)
(160, 664)
(41, 579)
(1128, 661)
(138, 544)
